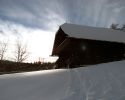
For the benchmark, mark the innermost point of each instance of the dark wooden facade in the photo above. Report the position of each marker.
(74, 52)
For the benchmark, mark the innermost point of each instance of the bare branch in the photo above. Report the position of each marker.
(3, 49)
(21, 53)
(114, 26)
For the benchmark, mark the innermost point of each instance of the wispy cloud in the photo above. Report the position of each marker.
(39, 42)
(48, 14)
(31, 13)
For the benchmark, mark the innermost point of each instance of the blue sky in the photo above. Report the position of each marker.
(22, 18)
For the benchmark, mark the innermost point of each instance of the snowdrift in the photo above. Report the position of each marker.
(97, 82)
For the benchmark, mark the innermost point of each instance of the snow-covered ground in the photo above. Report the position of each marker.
(97, 82)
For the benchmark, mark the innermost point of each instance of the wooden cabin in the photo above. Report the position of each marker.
(78, 45)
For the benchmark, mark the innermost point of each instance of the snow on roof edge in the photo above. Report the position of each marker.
(93, 33)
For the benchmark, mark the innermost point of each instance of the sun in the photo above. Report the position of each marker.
(40, 44)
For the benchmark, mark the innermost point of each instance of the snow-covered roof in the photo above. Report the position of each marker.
(93, 33)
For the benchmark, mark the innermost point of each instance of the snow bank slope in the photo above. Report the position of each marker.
(99, 82)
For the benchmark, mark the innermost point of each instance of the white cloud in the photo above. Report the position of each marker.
(39, 42)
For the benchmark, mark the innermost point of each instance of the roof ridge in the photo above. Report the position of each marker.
(96, 33)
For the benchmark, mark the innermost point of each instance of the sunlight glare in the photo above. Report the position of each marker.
(40, 44)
